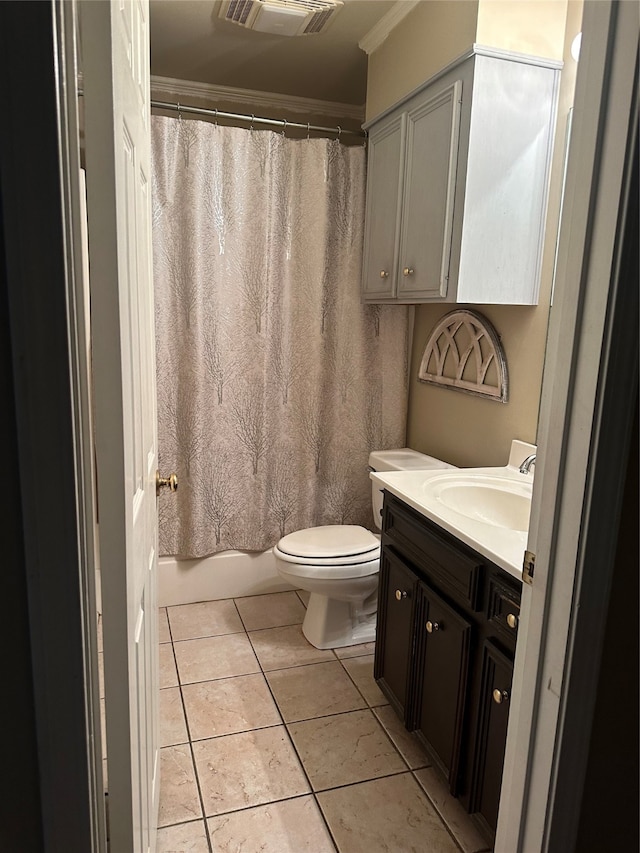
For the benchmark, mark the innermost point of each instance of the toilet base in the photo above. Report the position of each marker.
(331, 624)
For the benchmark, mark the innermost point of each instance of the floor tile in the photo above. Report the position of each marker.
(406, 743)
(361, 671)
(385, 816)
(247, 769)
(183, 838)
(164, 635)
(304, 596)
(278, 648)
(215, 657)
(355, 651)
(179, 801)
(168, 673)
(344, 749)
(317, 690)
(229, 705)
(290, 826)
(451, 811)
(205, 619)
(173, 729)
(270, 611)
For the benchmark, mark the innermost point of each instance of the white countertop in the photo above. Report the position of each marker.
(503, 546)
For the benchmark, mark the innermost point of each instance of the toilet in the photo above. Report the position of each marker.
(338, 565)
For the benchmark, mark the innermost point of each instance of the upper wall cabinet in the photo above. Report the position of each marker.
(458, 175)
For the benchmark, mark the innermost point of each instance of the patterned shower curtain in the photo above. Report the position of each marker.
(274, 381)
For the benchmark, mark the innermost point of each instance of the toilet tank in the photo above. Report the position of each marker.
(402, 459)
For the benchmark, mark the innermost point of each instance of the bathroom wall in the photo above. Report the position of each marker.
(462, 429)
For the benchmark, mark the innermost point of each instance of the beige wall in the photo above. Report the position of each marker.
(526, 26)
(459, 428)
(433, 34)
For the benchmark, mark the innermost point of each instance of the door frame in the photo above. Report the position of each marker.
(586, 414)
(39, 162)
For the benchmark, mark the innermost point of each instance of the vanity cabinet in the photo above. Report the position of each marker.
(446, 635)
(457, 184)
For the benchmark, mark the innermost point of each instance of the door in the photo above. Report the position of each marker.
(394, 644)
(115, 50)
(384, 195)
(443, 674)
(497, 674)
(430, 181)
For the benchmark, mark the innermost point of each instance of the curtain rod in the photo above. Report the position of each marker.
(253, 119)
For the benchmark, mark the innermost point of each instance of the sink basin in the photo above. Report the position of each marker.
(496, 501)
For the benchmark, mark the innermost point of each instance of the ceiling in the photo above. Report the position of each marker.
(190, 42)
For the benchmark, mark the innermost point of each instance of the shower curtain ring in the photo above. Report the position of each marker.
(216, 117)
(308, 129)
(251, 125)
(284, 126)
(339, 132)
(179, 111)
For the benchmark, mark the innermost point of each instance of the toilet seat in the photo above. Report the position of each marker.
(309, 569)
(334, 543)
(331, 551)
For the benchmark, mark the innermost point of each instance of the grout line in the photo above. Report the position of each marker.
(437, 810)
(193, 758)
(297, 754)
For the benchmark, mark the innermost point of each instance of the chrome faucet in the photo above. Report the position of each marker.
(527, 463)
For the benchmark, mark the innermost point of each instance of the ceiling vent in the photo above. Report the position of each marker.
(282, 17)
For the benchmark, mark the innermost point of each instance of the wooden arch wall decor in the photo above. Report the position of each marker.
(464, 353)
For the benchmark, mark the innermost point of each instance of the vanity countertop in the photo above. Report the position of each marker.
(481, 507)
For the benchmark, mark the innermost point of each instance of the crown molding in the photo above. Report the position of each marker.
(376, 35)
(163, 88)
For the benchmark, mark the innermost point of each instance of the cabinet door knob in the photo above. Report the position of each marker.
(432, 626)
(400, 594)
(512, 620)
(500, 696)
(384, 274)
(407, 271)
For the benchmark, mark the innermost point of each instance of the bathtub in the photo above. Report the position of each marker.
(229, 574)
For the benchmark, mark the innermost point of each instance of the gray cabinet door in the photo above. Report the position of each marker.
(429, 187)
(384, 187)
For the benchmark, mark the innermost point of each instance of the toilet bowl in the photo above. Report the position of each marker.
(338, 565)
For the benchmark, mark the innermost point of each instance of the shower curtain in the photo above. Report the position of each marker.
(274, 382)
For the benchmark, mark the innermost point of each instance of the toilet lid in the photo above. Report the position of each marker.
(330, 542)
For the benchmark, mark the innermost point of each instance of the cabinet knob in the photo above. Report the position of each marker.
(400, 594)
(407, 271)
(432, 626)
(512, 620)
(500, 696)
(384, 274)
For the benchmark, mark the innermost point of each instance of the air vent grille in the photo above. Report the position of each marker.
(316, 16)
(319, 21)
(239, 10)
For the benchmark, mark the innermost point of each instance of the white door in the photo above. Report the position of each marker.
(115, 56)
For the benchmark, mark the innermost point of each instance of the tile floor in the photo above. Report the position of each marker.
(272, 746)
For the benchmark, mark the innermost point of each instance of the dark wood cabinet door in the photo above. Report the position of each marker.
(444, 645)
(394, 641)
(495, 696)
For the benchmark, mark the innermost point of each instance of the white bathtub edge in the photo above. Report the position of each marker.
(230, 574)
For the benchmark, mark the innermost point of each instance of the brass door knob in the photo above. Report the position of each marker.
(384, 274)
(500, 696)
(432, 626)
(171, 481)
(400, 594)
(512, 620)
(407, 271)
